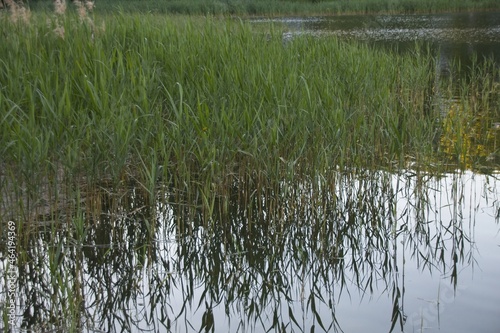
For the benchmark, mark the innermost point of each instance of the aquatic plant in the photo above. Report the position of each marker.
(200, 102)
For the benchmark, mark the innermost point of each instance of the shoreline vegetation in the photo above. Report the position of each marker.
(281, 7)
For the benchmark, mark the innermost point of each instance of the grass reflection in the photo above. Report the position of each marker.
(278, 258)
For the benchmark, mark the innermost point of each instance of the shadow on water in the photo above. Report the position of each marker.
(291, 257)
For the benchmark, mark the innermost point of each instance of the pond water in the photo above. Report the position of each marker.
(369, 251)
(452, 36)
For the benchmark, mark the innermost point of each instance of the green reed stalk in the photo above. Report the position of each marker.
(208, 100)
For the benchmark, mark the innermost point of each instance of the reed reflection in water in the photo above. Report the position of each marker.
(360, 250)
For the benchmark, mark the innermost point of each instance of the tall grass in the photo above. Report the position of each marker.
(470, 130)
(198, 101)
(202, 103)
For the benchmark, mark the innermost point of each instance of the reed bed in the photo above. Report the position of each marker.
(150, 100)
(199, 101)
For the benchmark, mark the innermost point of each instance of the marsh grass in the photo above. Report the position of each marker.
(469, 131)
(204, 103)
(198, 102)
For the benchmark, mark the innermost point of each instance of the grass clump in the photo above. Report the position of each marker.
(470, 128)
(199, 101)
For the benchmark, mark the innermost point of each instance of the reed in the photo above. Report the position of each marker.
(198, 103)
(470, 130)
(207, 99)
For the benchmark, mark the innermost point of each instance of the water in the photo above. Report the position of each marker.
(452, 36)
(369, 251)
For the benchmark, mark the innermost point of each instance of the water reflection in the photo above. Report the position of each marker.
(291, 257)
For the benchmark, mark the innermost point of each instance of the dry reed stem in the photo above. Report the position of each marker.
(18, 12)
(59, 31)
(60, 7)
(83, 8)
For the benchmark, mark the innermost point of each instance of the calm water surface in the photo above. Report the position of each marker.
(367, 252)
(452, 36)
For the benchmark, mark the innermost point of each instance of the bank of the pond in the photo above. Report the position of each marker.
(287, 7)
